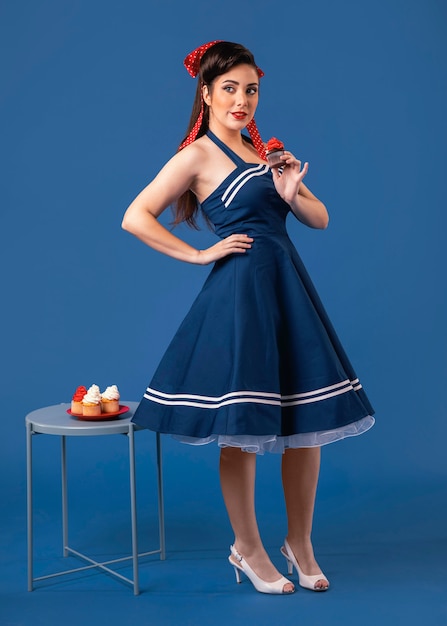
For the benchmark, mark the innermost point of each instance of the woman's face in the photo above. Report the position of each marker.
(232, 98)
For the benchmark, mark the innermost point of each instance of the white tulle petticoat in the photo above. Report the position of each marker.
(272, 443)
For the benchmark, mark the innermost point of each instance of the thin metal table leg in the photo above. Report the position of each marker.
(161, 514)
(133, 508)
(29, 503)
(64, 495)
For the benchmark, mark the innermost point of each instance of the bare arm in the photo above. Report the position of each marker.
(304, 204)
(140, 219)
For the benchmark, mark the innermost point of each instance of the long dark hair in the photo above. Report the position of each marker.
(217, 60)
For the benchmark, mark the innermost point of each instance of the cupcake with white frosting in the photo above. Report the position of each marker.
(91, 402)
(110, 400)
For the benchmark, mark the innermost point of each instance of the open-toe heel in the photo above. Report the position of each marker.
(241, 565)
(308, 582)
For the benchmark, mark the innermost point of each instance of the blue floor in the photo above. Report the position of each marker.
(382, 545)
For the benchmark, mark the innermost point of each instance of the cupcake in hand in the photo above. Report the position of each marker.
(91, 402)
(76, 402)
(110, 400)
(275, 150)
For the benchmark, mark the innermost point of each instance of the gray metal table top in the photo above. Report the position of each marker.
(54, 420)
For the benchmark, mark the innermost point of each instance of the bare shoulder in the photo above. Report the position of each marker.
(199, 149)
(189, 159)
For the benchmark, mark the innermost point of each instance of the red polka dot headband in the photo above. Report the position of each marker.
(192, 64)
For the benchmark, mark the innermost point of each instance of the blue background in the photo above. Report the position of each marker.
(93, 100)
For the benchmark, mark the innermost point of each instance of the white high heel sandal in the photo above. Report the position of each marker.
(241, 565)
(308, 582)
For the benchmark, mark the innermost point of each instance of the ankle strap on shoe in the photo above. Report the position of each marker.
(236, 554)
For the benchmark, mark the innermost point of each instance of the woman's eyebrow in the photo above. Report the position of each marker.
(235, 82)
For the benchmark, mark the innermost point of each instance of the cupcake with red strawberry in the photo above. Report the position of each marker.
(76, 401)
(275, 150)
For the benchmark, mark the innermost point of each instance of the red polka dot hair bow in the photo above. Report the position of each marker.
(192, 64)
(192, 61)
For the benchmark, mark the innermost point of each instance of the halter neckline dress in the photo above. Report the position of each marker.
(256, 362)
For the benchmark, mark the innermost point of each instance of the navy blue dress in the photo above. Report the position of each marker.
(256, 362)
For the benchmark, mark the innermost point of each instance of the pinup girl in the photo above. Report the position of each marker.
(256, 365)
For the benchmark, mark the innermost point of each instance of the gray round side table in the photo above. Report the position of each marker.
(54, 420)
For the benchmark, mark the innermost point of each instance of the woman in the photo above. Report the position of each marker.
(256, 364)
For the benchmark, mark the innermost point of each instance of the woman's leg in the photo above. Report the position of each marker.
(300, 470)
(237, 476)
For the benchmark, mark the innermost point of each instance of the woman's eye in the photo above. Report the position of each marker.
(229, 88)
(251, 91)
